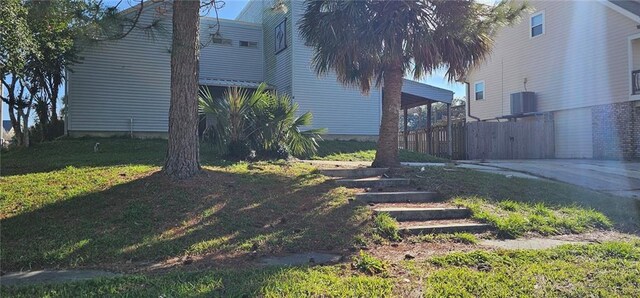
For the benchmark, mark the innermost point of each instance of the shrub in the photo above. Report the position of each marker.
(262, 120)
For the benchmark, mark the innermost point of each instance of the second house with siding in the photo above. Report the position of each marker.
(123, 87)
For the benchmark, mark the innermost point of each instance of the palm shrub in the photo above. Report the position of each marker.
(261, 122)
(279, 130)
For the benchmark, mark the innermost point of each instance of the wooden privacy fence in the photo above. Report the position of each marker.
(436, 143)
(528, 139)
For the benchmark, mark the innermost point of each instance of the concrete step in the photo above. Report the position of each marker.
(409, 214)
(444, 226)
(354, 173)
(399, 197)
(373, 182)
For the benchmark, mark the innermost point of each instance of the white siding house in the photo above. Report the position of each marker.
(578, 58)
(131, 94)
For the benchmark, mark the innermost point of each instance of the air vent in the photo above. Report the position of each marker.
(523, 102)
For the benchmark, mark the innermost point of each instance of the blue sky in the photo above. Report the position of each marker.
(233, 7)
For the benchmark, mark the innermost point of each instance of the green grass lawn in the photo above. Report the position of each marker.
(64, 206)
(517, 205)
(610, 269)
(364, 151)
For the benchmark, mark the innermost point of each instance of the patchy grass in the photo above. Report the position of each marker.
(369, 264)
(128, 215)
(269, 282)
(465, 238)
(606, 269)
(364, 151)
(514, 219)
(609, 269)
(541, 206)
(386, 227)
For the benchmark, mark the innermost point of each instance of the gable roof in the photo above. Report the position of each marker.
(629, 8)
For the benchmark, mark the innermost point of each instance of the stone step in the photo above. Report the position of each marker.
(443, 226)
(399, 197)
(409, 214)
(373, 182)
(354, 173)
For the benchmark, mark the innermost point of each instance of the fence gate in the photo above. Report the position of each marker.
(525, 139)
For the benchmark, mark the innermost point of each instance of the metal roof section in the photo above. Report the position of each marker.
(417, 94)
(629, 8)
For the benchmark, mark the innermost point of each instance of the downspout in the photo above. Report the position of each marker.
(469, 101)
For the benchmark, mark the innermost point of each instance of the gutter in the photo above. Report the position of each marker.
(469, 102)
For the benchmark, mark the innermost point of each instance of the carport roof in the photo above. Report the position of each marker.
(417, 94)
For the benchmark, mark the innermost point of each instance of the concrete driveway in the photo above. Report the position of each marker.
(614, 177)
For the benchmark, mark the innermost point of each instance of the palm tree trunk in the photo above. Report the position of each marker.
(183, 152)
(387, 153)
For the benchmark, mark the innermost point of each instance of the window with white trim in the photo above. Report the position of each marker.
(479, 90)
(536, 23)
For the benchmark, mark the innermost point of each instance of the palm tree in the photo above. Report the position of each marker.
(373, 41)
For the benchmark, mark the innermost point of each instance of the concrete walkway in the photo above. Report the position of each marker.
(51, 276)
(614, 177)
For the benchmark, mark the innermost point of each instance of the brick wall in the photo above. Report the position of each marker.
(616, 131)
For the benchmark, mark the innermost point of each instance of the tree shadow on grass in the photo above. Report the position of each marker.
(219, 218)
(80, 152)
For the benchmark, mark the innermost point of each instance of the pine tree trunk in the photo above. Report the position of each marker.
(183, 152)
(387, 151)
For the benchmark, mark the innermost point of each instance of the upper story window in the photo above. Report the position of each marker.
(248, 44)
(537, 24)
(479, 90)
(221, 41)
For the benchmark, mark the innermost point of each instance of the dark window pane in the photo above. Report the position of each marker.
(537, 30)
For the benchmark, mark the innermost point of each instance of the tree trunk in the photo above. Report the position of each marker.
(182, 152)
(55, 85)
(387, 152)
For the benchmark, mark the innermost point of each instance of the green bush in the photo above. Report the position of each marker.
(261, 122)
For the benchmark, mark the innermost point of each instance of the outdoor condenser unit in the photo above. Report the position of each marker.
(523, 102)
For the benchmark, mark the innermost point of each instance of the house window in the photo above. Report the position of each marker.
(537, 24)
(479, 90)
(248, 44)
(221, 41)
(281, 36)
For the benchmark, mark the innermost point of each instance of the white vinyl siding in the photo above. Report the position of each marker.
(582, 62)
(123, 85)
(277, 66)
(252, 12)
(231, 62)
(574, 133)
(342, 110)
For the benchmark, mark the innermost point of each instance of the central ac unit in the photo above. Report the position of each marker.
(523, 102)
